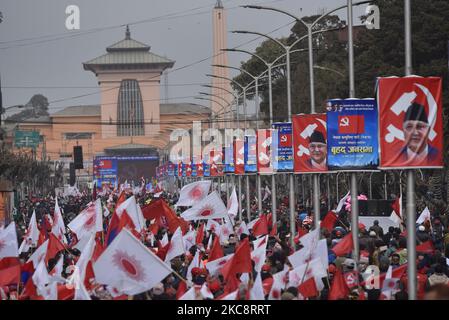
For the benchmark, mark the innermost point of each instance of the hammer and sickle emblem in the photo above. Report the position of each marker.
(344, 122)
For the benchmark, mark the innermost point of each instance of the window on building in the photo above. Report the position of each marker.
(130, 109)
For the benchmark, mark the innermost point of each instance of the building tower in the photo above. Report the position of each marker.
(220, 57)
(129, 77)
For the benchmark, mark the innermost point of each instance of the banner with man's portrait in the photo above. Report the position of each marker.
(309, 143)
(410, 122)
(239, 157)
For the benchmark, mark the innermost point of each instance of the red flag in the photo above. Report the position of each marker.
(274, 230)
(396, 206)
(200, 234)
(159, 209)
(329, 221)
(65, 292)
(42, 237)
(425, 247)
(344, 247)
(94, 192)
(182, 288)
(113, 228)
(240, 262)
(9, 271)
(54, 246)
(216, 251)
(121, 199)
(351, 124)
(29, 291)
(261, 226)
(308, 288)
(339, 289)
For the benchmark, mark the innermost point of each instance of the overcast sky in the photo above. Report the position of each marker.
(52, 56)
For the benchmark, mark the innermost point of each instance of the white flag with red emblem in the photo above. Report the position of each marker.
(226, 230)
(233, 204)
(313, 268)
(280, 280)
(39, 254)
(194, 264)
(58, 228)
(211, 207)
(193, 193)
(213, 226)
(306, 254)
(8, 242)
(258, 255)
(176, 247)
(129, 266)
(89, 221)
(189, 239)
(242, 229)
(32, 235)
(215, 266)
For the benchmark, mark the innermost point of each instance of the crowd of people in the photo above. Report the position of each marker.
(379, 274)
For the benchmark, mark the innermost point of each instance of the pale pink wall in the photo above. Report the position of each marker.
(150, 90)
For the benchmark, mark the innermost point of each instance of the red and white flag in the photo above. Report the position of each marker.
(211, 207)
(233, 204)
(133, 211)
(425, 215)
(193, 193)
(257, 292)
(213, 226)
(226, 230)
(129, 266)
(306, 254)
(176, 247)
(89, 221)
(32, 235)
(280, 280)
(242, 229)
(8, 242)
(189, 239)
(58, 228)
(215, 266)
(39, 254)
(396, 214)
(194, 264)
(258, 255)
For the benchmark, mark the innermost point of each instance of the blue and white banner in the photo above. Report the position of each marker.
(250, 154)
(282, 148)
(352, 134)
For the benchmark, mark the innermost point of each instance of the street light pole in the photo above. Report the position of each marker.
(411, 207)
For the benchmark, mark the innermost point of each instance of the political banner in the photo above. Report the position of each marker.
(188, 169)
(229, 158)
(206, 169)
(282, 150)
(216, 163)
(194, 169)
(239, 156)
(176, 170)
(265, 138)
(352, 138)
(410, 122)
(170, 169)
(200, 169)
(250, 154)
(310, 143)
(180, 169)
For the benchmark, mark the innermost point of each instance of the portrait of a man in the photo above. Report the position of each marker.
(416, 128)
(317, 151)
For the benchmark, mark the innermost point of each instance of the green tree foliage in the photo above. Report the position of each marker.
(36, 107)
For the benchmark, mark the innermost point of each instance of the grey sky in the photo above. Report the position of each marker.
(185, 38)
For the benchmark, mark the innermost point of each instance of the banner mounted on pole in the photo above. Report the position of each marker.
(283, 151)
(310, 143)
(352, 134)
(265, 139)
(239, 156)
(410, 122)
(250, 154)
